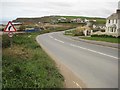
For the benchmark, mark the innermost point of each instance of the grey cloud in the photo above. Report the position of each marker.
(60, 4)
(59, 7)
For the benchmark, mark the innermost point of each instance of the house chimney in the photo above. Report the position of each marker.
(118, 10)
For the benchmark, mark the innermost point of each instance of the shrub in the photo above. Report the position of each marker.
(105, 36)
(27, 65)
(5, 41)
(78, 33)
(22, 28)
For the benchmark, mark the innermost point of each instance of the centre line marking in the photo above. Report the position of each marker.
(50, 36)
(94, 51)
(78, 85)
(59, 40)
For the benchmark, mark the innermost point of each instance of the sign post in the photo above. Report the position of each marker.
(10, 34)
(10, 29)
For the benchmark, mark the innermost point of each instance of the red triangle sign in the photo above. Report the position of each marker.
(10, 27)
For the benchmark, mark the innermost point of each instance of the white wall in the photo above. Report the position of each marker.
(118, 26)
(110, 24)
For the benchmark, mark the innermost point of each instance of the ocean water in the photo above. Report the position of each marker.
(3, 22)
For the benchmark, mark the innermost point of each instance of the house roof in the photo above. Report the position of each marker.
(115, 15)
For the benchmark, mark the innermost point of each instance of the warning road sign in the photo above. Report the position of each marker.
(10, 27)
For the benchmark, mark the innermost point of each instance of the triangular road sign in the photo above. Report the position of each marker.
(10, 27)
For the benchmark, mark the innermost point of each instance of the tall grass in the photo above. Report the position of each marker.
(26, 65)
(103, 38)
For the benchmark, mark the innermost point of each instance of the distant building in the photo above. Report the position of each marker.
(62, 19)
(77, 20)
(113, 23)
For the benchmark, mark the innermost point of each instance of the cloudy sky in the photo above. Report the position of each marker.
(11, 9)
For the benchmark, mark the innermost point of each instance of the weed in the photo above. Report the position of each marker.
(26, 65)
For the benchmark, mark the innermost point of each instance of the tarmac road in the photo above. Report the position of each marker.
(95, 65)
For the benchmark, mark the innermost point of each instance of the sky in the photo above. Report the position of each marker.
(12, 9)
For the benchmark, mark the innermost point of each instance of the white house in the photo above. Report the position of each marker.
(113, 23)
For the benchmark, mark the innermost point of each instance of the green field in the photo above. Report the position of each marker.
(26, 65)
(109, 39)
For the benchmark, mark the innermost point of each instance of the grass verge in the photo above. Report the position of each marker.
(26, 65)
(105, 39)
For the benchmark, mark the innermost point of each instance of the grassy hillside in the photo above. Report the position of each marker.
(33, 20)
(82, 17)
(48, 19)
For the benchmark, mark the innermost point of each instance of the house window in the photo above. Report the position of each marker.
(111, 29)
(108, 21)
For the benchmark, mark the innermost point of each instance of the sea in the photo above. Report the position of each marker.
(3, 22)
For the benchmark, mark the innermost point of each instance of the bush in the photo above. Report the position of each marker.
(78, 33)
(45, 31)
(5, 41)
(22, 28)
(30, 26)
(26, 65)
(105, 36)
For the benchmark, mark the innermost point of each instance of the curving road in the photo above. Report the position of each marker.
(95, 65)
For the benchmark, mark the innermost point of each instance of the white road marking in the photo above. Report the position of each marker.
(73, 82)
(78, 85)
(85, 48)
(94, 51)
(56, 39)
(50, 36)
(72, 39)
(59, 40)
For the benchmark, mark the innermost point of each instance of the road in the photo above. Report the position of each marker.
(95, 65)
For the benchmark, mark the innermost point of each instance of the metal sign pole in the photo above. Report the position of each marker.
(11, 42)
(10, 34)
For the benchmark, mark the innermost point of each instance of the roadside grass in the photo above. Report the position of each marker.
(105, 39)
(26, 65)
